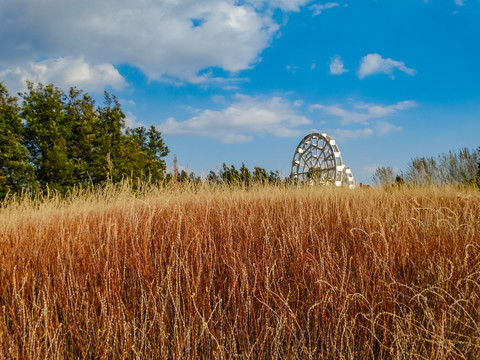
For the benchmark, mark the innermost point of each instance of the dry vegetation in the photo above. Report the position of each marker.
(262, 274)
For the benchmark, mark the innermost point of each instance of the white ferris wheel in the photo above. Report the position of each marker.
(317, 160)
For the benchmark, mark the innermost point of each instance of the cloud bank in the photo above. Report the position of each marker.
(364, 118)
(165, 39)
(239, 122)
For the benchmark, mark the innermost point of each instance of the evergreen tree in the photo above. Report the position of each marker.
(16, 174)
(229, 176)
(245, 175)
(73, 143)
(274, 178)
(85, 141)
(260, 176)
(46, 135)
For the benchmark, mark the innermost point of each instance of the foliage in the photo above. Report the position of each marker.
(243, 177)
(454, 167)
(65, 141)
(384, 176)
(229, 175)
(260, 175)
(16, 173)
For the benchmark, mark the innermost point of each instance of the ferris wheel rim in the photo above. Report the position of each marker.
(317, 159)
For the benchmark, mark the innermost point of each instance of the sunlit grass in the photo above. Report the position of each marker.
(257, 273)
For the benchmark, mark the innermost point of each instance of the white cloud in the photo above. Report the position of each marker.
(364, 118)
(363, 113)
(240, 121)
(336, 66)
(384, 128)
(372, 64)
(63, 72)
(169, 39)
(319, 8)
(460, 2)
(285, 5)
(352, 134)
(131, 121)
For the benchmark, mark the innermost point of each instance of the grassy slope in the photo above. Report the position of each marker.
(266, 273)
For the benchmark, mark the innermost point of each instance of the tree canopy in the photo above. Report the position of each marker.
(60, 140)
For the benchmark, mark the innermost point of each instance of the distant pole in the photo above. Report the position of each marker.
(175, 167)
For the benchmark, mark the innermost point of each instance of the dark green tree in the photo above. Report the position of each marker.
(144, 153)
(183, 176)
(73, 143)
(212, 178)
(245, 175)
(85, 141)
(260, 175)
(16, 174)
(46, 135)
(274, 178)
(229, 176)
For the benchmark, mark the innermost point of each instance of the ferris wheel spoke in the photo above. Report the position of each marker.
(317, 160)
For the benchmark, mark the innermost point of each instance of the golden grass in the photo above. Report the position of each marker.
(307, 273)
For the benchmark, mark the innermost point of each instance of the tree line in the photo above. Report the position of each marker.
(50, 138)
(232, 177)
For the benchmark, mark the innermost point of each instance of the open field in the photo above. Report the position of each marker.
(262, 274)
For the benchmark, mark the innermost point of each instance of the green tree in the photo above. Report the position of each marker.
(245, 175)
(85, 141)
(212, 178)
(274, 178)
(73, 143)
(144, 153)
(260, 175)
(16, 173)
(229, 176)
(46, 135)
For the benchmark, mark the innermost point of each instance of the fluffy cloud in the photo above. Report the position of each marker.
(372, 64)
(240, 121)
(352, 134)
(285, 5)
(167, 39)
(319, 8)
(460, 2)
(362, 113)
(63, 72)
(384, 128)
(336, 66)
(365, 115)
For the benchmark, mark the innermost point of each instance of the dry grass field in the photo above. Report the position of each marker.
(265, 273)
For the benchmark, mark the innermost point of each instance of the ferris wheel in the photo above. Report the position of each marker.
(317, 160)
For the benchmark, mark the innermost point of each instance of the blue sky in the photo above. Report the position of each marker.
(243, 81)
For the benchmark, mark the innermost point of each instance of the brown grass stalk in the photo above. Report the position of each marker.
(264, 273)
